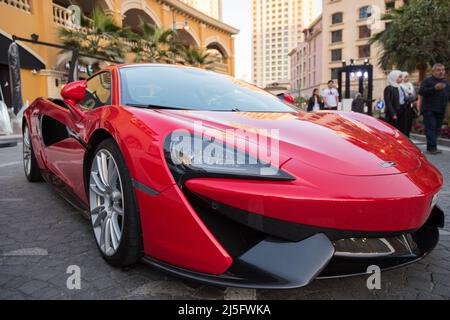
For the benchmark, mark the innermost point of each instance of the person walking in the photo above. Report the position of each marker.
(410, 97)
(330, 97)
(394, 98)
(358, 103)
(435, 92)
(315, 103)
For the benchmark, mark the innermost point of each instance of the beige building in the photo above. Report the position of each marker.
(310, 10)
(212, 8)
(306, 61)
(276, 29)
(347, 25)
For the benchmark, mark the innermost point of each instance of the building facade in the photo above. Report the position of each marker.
(44, 70)
(276, 29)
(306, 61)
(212, 8)
(310, 11)
(347, 26)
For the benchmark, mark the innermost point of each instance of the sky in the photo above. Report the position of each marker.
(238, 13)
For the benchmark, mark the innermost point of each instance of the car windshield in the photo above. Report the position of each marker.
(193, 89)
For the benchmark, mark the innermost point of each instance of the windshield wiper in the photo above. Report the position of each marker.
(153, 106)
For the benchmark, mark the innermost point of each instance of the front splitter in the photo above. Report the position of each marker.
(271, 264)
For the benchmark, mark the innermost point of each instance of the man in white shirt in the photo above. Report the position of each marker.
(330, 97)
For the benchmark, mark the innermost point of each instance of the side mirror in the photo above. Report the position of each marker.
(288, 98)
(73, 93)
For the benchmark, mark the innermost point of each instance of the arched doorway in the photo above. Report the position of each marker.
(216, 45)
(138, 8)
(133, 18)
(216, 54)
(219, 53)
(186, 35)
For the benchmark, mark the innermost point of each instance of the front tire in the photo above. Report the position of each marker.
(114, 213)
(30, 166)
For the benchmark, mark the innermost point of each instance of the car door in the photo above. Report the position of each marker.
(62, 132)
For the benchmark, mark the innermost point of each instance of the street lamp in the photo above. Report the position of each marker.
(361, 73)
(35, 37)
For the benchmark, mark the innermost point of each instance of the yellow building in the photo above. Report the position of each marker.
(212, 8)
(44, 70)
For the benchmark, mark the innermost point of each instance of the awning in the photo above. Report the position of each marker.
(27, 59)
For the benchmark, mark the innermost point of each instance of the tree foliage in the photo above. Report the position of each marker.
(417, 35)
(197, 57)
(155, 44)
(100, 36)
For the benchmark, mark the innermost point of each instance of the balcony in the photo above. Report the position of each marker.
(219, 67)
(23, 5)
(64, 17)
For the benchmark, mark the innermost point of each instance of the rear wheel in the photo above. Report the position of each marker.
(32, 172)
(114, 214)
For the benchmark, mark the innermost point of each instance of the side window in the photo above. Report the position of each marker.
(98, 91)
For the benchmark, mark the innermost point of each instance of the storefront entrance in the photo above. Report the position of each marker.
(5, 85)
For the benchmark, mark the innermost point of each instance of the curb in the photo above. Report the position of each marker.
(8, 144)
(9, 140)
(422, 138)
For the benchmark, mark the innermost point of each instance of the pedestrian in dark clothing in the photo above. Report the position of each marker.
(315, 103)
(410, 97)
(435, 91)
(395, 100)
(358, 103)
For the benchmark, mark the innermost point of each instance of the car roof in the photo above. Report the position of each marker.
(137, 65)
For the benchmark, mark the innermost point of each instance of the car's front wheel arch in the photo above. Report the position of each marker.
(96, 138)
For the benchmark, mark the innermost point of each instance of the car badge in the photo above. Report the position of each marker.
(388, 164)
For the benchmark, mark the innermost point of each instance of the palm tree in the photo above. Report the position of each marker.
(416, 35)
(98, 36)
(155, 44)
(197, 57)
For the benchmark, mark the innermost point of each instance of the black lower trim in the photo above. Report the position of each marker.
(144, 188)
(289, 231)
(425, 239)
(66, 192)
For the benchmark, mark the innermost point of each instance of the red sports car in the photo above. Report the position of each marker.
(209, 178)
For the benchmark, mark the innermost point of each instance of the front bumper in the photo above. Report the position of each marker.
(274, 263)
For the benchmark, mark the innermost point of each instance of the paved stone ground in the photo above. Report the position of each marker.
(41, 235)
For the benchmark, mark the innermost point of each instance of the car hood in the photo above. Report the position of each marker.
(342, 143)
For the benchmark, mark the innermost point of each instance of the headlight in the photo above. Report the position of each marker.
(190, 156)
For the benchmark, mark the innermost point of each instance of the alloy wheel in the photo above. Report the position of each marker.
(106, 202)
(27, 151)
